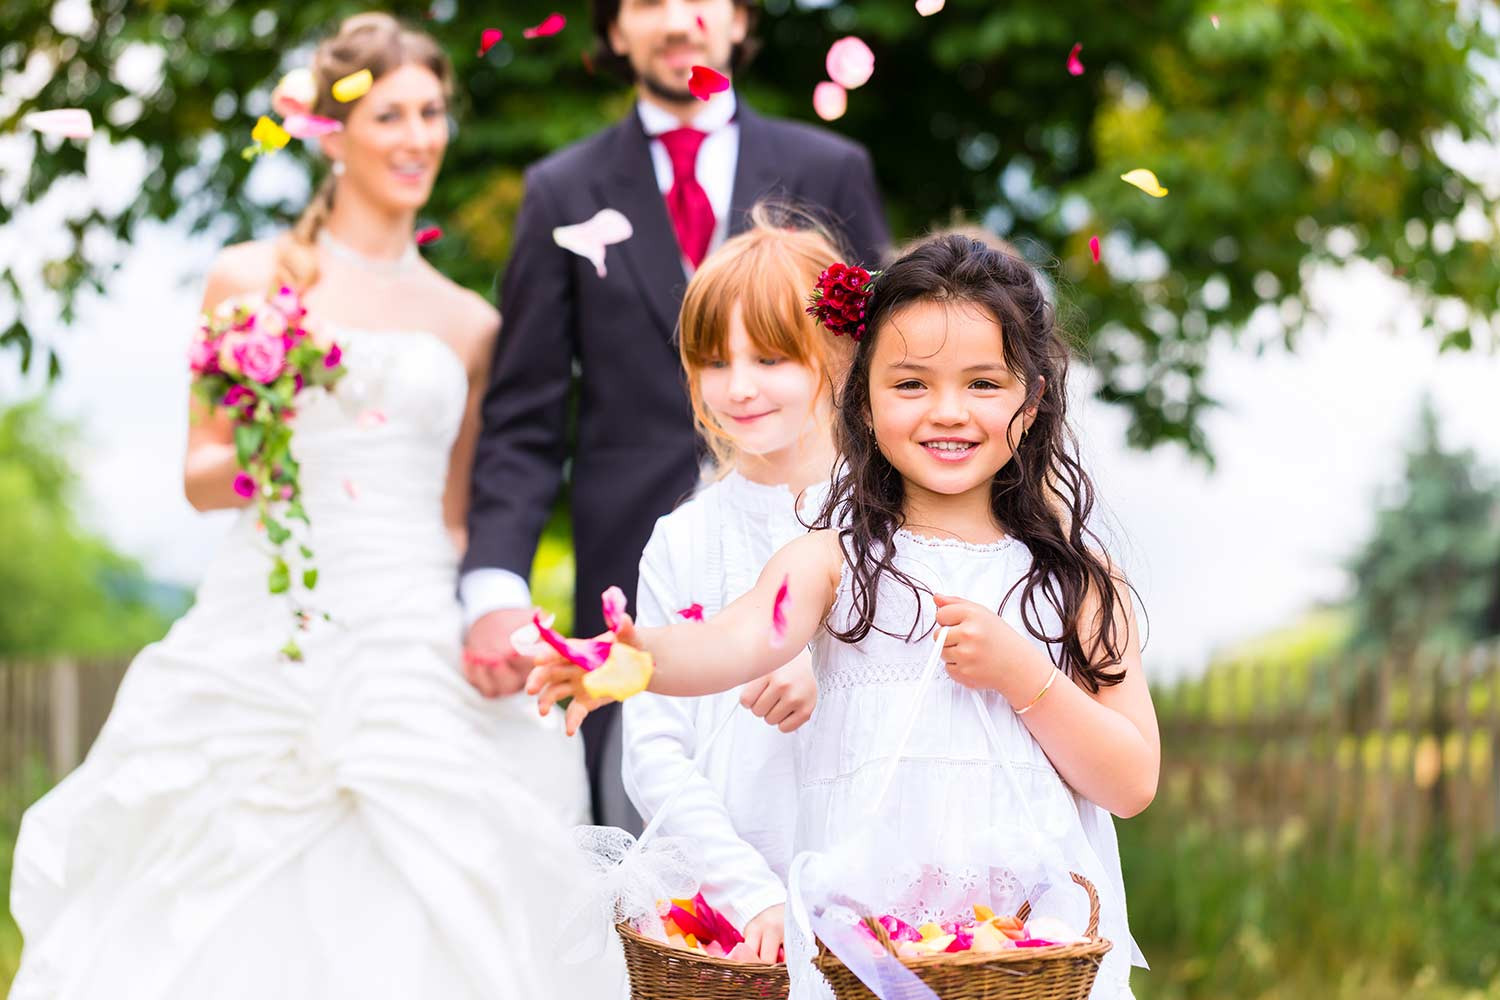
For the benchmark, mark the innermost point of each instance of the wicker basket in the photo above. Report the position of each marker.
(1063, 972)
(660, 972)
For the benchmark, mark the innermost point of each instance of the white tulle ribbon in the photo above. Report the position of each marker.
(629, 875)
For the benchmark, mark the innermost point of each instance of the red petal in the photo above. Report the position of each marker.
(429, 235)
(693, 612)
(778, 614)
(1075, 67)
(488, 38)
(701, 25)
(550, 26)
(1094, 247)
(706, 82)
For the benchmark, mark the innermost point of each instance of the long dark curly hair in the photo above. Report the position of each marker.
(1041, 497)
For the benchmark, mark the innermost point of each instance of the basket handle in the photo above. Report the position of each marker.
(1024, 913)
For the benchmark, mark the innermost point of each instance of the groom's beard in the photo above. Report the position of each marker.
(665, 91)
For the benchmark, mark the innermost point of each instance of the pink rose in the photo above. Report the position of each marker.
(203, 357)
(334, 356)
(228, 362)
(289, 304)
(261, 358)
(237, 393)
(270, 322)
(244, 486)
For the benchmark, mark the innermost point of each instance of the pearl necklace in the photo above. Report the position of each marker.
(379, 265)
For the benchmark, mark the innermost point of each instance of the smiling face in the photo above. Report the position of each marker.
(764, 402)
(943, 403)
(393, 139)
(665, 39)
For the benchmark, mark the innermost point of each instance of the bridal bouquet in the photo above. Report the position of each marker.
(252, 359)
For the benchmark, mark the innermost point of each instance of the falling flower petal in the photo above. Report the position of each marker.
(1214, 20)
(624, 674)
(701, 25)
(1146, 181)
(353, 87)
(527, 640)
(269, 135)
(778, 614)
(244, 485)
(296, 93)
(351, 489)
(550, 26)
(830, 101)
(850, 62)
(613, 600)
(429, 235)
(705, 82)
(70, 123)
(303, 126)
(693, 612)
(1075, 65)
(587, 654)
(1094, 247)
(927, 8)
(488, 39)
(588, 239)
(370, 418)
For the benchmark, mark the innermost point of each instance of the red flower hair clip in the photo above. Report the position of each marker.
(839, 299)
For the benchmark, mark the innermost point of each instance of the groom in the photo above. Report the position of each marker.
(684, 172)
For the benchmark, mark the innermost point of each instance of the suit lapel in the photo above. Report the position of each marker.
(755, 170)
(651, 255)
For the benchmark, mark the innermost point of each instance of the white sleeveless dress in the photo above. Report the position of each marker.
(948, 784)
(360, 824)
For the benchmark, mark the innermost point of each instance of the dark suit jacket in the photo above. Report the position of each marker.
(636, 455)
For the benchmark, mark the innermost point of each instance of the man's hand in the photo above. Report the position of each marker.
(491, 663)
(786, 696)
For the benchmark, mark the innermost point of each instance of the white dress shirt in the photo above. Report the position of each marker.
(491, 589)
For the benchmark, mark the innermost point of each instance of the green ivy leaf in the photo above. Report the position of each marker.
(307, 553)
(247, 441)
(310, 579)
(275, 531)
(292, 651)
(281, 577)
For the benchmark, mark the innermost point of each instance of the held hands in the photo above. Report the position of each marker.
(554, 678)
(491, 664)
(785, 697)
(979, 646)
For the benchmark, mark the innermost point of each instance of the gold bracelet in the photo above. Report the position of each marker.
(1040, 694)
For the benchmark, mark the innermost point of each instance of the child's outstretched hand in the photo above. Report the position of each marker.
(979, 644)
(554, 678)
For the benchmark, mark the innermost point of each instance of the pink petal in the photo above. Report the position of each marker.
(899, 930)
(830, 101)
(693, 612)
(1214, 18)
(429, 235)
(589, 655)
(1035, 943)
(588, 239)
(701, 25)
(705, 82)
(614, 608)
(690, 924)
(488, 39)
(70, 123)
(303, 126)
(1075, 66)
(927, 8)
(549, 26)
(1094, 247)
(850, 63)
(244, 485)
(350, 489)
(962, 941)
(370, 418)
(778, 614)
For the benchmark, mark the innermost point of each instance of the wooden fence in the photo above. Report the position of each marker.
(1397, 755)
(49, 716)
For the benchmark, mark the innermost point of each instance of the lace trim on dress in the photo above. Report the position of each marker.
(999, 545)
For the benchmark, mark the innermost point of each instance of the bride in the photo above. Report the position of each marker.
(363, 823)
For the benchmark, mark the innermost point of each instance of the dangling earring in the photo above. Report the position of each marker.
(338, 168)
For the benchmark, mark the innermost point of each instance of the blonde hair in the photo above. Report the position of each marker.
(373, 41)
(769, 271)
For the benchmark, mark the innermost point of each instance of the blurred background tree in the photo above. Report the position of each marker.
(1289, 135)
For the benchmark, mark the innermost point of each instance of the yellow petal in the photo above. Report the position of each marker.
(269, 134)
(625, 674)
(1146, 181)
(983, 913)
(353, 87)
(930, 931)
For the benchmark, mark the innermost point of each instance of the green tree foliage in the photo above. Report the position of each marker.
(1428, 572)
(1290, 134)
(66, 592)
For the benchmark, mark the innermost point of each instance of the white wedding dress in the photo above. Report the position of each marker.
(359, 824)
